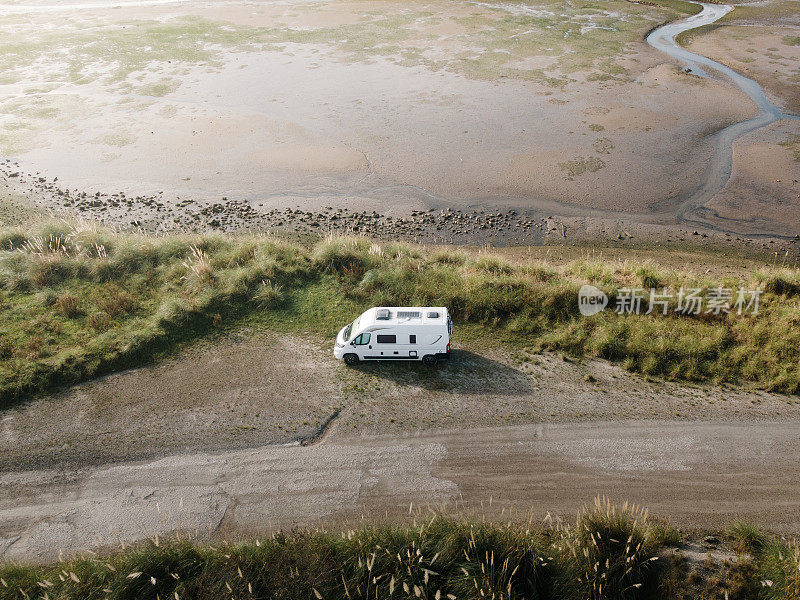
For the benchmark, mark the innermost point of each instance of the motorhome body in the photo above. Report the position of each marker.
(396, 333)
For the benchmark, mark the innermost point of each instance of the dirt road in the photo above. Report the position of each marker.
(215, 442)
(699, 474)
(258, 389)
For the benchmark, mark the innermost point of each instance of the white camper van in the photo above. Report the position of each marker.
(396, 333)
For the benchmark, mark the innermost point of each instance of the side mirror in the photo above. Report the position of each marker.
(353, 343)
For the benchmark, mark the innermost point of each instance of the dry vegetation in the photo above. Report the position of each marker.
(78, 301)
(609, 553)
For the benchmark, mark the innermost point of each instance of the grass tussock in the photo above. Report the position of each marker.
(775, 562)
(746, 537)
(779, 571)
(608, 554)
(613, 550)
(78, 300)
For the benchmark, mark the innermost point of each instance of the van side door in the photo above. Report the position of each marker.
(362, 345)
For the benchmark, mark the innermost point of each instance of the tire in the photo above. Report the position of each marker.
(429, 360)
(351, 359)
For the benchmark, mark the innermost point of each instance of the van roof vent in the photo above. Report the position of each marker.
(383, 314)
(433, 315)
(409, 314)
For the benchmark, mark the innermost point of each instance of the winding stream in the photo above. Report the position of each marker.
(718, 171)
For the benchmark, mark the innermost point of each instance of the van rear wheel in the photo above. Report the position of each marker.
(429, 360)
(351, 359)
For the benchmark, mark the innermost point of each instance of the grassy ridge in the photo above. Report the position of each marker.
(609, 553)
(78, 301)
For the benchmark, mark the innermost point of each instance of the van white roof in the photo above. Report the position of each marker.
(403, 315)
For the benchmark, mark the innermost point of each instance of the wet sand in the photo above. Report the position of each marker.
(760, 42)
(389, 110)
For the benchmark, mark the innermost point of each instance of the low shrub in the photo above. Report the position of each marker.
(783, 284)
(11, 239)
(343, 256)
(268, 295)
(68, 305)
(613, 551)
(779, 571)
(116, 302)
(492, 264)
(99, 321)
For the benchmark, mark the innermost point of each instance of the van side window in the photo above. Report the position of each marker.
(387, 339)
(412, 339)
(362, 339)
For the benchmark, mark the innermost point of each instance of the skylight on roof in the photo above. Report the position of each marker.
(409, 314)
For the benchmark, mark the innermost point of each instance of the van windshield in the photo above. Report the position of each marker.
(353, 327)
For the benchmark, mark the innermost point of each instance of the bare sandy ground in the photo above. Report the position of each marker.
(392, 108)
(700, 474)
(277, 389)
(225, 442)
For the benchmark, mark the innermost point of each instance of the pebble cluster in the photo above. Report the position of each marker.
(156, 213)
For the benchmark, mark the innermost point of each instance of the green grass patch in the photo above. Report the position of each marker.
(496, 41)
(77, 301)
(775, 561)
(685, 38)
(680, 6)
(767, 13)
(110, 53)
(779, 570)
(581, 165)
(746, 537)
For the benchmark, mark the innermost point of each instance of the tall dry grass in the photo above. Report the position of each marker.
(139, 297)
(433, 558)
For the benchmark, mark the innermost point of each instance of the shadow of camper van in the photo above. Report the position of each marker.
(466, 373)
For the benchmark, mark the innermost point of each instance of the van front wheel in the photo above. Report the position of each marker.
(429, 360)
(351, 359)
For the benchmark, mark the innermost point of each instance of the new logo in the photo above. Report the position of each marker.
(591, 300)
